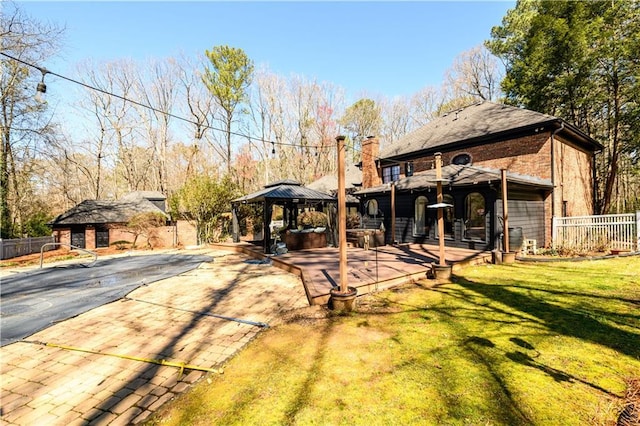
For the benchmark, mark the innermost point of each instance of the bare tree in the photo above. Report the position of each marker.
(200, 109)
(475, 74)
(23, 123)
(396, 118)
(158, 90)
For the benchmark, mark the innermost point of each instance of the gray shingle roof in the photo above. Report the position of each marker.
(486, 120)
(329, 183)
(104, 211)
(285, 191)
(457, 176)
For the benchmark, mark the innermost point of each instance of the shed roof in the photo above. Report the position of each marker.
(105, 211)
(285, 191)
(478, 122)
(459, 176)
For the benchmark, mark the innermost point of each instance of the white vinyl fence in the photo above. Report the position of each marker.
(610, 231)
(21, 246)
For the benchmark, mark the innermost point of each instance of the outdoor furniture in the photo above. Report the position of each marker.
(357, 237)
(306, 239)
(529, 246)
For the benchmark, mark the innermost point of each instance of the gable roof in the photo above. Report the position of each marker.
(105, 211)
(285, 190)
(458, 176)
(329, 183)
(477, 123)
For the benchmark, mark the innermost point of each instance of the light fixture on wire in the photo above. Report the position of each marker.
(41, 88)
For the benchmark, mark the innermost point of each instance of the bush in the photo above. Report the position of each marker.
(121, 244)
(312, 219)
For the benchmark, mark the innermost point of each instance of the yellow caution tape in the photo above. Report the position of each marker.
(181, 365)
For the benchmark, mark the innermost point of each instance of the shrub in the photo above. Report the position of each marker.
(312, 219)
(121, 244)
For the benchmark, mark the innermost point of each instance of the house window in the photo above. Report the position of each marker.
(475, 224)
(420, 219)
(461, 159)
(390, 174)
(447, 216)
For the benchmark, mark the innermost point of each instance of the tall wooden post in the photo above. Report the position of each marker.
(505, 211)
(439, 200)
(342, 216)
(393, 213)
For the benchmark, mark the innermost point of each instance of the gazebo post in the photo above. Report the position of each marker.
(234, 223)
(268, 207)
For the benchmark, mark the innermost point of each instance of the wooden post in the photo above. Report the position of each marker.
(439, 199)
(505, 212)
(342, 216)
(393, 213)
(235, 223)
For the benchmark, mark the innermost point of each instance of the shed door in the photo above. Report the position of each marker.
(78, 237)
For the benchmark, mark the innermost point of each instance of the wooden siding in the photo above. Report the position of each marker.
(525, 214)
(405, 211)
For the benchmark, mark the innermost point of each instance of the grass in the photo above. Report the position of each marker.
(521, 344)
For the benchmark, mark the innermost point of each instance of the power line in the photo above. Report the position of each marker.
(45, 71)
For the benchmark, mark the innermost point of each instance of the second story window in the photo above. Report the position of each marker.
(390, 174)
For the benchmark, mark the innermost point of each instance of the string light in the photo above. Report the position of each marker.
(42, 88)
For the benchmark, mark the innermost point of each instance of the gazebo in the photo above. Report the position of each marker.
(286, 193)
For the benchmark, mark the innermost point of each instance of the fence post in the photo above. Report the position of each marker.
(554, 231)
(638, 230)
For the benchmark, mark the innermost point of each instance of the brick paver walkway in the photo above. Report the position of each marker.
(185, 319)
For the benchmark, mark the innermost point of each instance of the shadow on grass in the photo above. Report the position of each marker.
(559, 319)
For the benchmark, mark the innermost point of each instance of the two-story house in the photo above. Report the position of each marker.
(550, 171)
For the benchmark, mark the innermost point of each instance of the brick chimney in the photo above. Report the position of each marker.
(370, 153)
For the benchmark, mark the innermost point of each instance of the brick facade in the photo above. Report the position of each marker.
(531, 155)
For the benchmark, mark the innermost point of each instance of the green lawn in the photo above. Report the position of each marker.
(521, 344)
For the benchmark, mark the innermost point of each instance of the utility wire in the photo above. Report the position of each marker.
(45, 71)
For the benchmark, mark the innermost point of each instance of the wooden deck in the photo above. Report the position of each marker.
(368, 270)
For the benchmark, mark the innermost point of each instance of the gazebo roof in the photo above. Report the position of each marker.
(287, 190)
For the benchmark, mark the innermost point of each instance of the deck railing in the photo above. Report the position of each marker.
(598, 233)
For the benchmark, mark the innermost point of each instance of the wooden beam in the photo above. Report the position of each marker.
(342, 216)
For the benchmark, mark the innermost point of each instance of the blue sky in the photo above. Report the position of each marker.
(387, 48)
